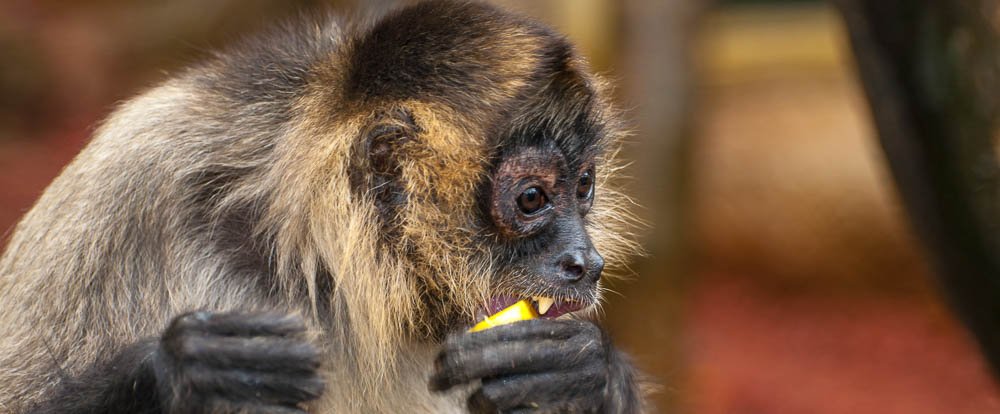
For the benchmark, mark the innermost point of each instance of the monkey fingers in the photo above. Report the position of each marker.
(221, 406)
(234, 362)
(504, 358)
(524, 347)
(260, 353)
(245, 386)
(239, 323)
(522, 330)
(558, 391)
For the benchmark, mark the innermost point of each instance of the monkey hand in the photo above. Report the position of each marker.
(236, 362)
(536, 366)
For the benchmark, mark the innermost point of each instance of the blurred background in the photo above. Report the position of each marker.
(783, 275)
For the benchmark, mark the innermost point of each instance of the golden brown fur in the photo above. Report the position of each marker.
(190, 197)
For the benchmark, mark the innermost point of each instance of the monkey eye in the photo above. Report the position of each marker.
(532, 200)
(585, 187)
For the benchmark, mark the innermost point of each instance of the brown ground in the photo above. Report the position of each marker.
(752, 350)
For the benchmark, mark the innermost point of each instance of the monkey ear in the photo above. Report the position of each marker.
(386, 139)
(378, 157)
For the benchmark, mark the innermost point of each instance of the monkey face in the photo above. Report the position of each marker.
(539, 204)
(479, 143)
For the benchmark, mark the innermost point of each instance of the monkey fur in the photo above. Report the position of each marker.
(310, 221)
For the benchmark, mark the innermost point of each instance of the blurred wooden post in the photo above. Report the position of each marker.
(657, 85)
(932, 74)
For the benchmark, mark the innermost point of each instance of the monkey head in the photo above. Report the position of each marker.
(480, 149)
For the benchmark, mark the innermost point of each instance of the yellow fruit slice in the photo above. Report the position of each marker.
(519, 311)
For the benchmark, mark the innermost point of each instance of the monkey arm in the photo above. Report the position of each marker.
(204, 362)
(542, 365)
(623, 392)
(124, 383)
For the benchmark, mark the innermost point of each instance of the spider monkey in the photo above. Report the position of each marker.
(311, 220)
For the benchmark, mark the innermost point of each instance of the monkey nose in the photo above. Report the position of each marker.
(573, 266)
(579, 264)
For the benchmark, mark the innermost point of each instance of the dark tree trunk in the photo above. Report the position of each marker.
(932, 74)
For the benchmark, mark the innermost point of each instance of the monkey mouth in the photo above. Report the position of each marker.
(547, 307)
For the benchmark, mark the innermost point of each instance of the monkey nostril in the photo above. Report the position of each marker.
(573, 272)
(573, 266)
(597, 265)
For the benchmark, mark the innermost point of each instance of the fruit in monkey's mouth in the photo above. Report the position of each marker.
(508, 309)
(521, 310)
(546, 307)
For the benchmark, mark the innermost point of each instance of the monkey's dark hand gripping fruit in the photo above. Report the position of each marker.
(529, 364)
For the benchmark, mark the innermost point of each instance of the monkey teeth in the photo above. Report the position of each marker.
(543, 303)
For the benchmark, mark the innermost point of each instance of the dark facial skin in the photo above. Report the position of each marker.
(542, 365)
(538, 206)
